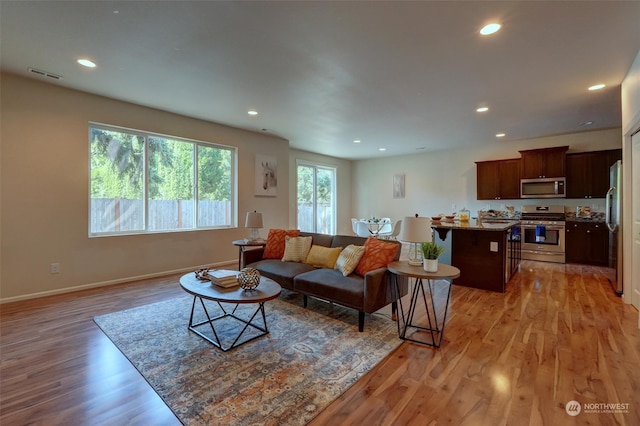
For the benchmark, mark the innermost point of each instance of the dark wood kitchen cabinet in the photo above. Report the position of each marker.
(546, 162)
(498, 180)
(588, 173)
(587, 243)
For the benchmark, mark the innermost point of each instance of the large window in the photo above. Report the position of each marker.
(142, 182)
(316, 198)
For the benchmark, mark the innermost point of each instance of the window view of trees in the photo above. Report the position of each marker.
(316, 194)
(146, 183)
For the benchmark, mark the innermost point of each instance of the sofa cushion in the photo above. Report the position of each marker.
(274, 248)
(349, 258)
(296, 249)
(319, 239)
(377, 254)
(345, 240)
(330, 284)
(279, 271)
(323, 257)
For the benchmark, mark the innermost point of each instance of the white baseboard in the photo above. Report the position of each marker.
(113, 282)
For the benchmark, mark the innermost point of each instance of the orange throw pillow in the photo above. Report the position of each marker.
(376, 255)
(274, 249)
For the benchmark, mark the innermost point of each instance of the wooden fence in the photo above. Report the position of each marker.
(123, 215)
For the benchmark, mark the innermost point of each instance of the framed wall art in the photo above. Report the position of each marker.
(266, 176)
(398, 185)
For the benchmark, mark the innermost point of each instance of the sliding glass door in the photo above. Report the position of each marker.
(316, 198)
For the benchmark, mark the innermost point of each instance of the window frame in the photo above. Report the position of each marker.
(233, 178)
(334, 193)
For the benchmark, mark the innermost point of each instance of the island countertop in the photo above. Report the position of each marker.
(474, 224)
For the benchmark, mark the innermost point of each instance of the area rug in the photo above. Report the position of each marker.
(287, 377)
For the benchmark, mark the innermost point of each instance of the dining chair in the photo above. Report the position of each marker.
(362, 229)
(354, 223)
(393, 235)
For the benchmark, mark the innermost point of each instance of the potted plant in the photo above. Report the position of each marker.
(430, 252)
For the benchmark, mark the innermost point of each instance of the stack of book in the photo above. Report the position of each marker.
(224, 279)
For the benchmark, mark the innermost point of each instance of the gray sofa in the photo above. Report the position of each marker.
(365, 294)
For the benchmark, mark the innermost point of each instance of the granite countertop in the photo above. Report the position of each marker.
(585, 219)
(474, 224)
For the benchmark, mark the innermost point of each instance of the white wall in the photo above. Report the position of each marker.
(630, 97)
(45, 187)
(343, 185)
(438, 181)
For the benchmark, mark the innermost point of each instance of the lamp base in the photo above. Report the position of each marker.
(415, 262)
(254, 235)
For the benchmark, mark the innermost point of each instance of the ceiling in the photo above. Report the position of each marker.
(405, 76)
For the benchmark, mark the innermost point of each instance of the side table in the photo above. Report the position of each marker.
(242, 246)
(445, 272)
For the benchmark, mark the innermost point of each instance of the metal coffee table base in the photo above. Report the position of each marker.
(211, 322)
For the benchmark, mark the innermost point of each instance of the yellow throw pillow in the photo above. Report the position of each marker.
(349, 258)
(323, 257)
(296, 248)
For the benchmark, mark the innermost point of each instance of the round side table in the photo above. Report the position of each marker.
(242, 246)
(444, 272)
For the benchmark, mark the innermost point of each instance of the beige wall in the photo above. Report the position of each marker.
(630, 124)
(44, 192)
(343, 185)
(436, 181)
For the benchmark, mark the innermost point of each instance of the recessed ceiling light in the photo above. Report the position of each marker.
(490, 28)
(482, 109)
(597, 87)
(356, 141)
(501, 135)
(382, 149)
(87, 63)
(252, 112)
(587, 123)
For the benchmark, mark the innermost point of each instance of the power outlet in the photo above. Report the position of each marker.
(55, 268)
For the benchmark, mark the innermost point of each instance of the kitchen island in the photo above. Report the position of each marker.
(487, 253)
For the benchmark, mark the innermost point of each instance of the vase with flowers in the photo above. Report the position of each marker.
(431, 252)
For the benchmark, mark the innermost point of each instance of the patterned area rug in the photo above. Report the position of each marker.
(287, 377)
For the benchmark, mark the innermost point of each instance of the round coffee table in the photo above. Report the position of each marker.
(201, 290)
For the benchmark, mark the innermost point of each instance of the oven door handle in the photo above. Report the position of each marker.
(549, 228)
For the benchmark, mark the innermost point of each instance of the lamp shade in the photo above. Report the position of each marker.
(254, 220)
(415, 230)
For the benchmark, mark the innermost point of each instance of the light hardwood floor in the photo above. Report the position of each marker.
(559, 333)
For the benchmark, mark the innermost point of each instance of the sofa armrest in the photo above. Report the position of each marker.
(379, 289)
(251, 255)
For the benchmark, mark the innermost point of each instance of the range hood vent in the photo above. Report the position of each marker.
(45, 74)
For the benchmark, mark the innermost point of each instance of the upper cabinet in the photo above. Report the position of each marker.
(544, 163)
(498, 180)
(588, 173)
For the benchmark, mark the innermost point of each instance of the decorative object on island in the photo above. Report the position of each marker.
(415, 230)
(431, 252)
(249, 278)
(463, 215)
(254, 221)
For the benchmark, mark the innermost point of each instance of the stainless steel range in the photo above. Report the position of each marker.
(542, 230)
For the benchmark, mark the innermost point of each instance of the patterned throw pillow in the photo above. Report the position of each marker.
(376, 255)
(323, 257)
(296, 248)
(274, 248)
(349, 258)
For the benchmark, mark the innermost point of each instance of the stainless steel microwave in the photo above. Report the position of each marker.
(543, 188)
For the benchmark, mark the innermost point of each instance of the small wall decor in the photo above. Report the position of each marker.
(398, 185)
(266, 176)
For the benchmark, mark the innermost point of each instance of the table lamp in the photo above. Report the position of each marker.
(254, 221)
(415, 230)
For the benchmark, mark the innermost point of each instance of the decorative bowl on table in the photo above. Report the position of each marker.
(450, 217)
(435, 218)
(249, 278)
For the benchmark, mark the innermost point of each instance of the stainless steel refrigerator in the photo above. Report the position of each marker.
(613, 217)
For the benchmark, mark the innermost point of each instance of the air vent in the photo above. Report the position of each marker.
(45, 74)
